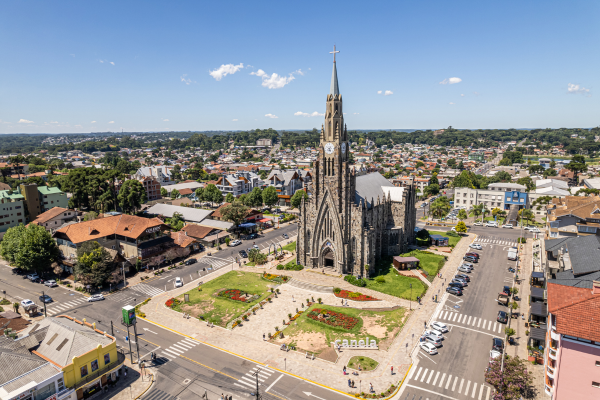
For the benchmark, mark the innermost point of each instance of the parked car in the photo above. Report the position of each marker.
(178, 282)
(432, 339)
(502, 317)
(254, 246)
(435, 333)
(26, 303)
(235, 242)
(472, 254)
(428, 347)
(507, 226)
(243, 254)
(497, 344)
(96, 297)
(458, 283)
(191, 261)
(475, 246)
(468, 264)
(438, 326)
(465, 277)
(45, 298)
(491, 224)
(466, 269)
(50, 283)
(33, 277)
(454, 290)
(478, 223)
(470, 259)
(535, 230)
(252, 236)
(285, 236)
(506, 289)
(461, 280)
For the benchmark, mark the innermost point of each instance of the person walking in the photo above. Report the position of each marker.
(392, 370)
(263, 336)
(425, 324)
(344, 370)
(371, 388)
(353, 383)
(349, 383)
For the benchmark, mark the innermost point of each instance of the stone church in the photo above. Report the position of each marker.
(352, 218)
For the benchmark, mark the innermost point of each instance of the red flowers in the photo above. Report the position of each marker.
(333, 318)
(346, 294)
(172, 302)
(237, 295)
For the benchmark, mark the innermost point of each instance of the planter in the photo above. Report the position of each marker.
(531, 358)
(539, 361)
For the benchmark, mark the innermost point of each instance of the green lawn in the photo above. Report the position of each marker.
(394, 284)
(376, 325)
(452, 240)
(430, 263)
(290, 246)
(366, 363)
(220, 310)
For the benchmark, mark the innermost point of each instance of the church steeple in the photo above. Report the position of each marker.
(334, 81)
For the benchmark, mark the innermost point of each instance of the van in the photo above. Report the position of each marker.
(512, 255)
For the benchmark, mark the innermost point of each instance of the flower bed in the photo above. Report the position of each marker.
(172, 302)
(356, 296)
(333, 318)
(238, 295)
(275, 278)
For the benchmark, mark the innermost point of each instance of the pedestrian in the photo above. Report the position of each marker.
(293, 298)
(263, 336)
(344, 370)
(359, 367)
(352, 383)
(349, 383)
(371, 388)
(392, 370)
(425, 324)
(342, 302)
(222, 398)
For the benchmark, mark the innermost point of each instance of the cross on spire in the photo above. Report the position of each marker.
(333, 52)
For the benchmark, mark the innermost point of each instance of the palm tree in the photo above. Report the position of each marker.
(439, 208)
(477, 210)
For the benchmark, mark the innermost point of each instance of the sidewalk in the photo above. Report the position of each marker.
(133, 386)
(241, 343)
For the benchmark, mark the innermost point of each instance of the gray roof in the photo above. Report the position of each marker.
(584, 252)
(507, 185)
(555, 244)
(213, 223)
(30, 378)
(13, 365)
(283, 175)
(567, 278)
(188, 214)
(185, 185)
(369, 186)
(66, 339)
(334, 89)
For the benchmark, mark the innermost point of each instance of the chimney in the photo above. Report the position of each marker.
(596, 287)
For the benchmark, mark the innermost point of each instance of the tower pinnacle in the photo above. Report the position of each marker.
(334, 81)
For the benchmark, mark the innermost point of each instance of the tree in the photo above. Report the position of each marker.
(432, 189)
(212, 194)
(451, 163)
(235, 212)
(30, 248)
(461, 227)
(174, 194)
(527, 214)
(176, 221)
(550, 172)
(463, 180)
(164, 192)
(495, 211)
(423, 235)
(434, 180)
(536, 169)
(254, 198)
(229, 198)
(577, 165)
(90, 216)
(296, 199)
(269, 196)
(257, 257)
(513, 382)
(527, 182)
(440, 207)
(131, 196)
(462, 215)
(94, 265)
(503, 176)
(199, 193)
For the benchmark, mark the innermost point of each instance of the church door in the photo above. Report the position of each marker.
(328, 258)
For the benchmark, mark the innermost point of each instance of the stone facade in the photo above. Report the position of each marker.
(351, 218)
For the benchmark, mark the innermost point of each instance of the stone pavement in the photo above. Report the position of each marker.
(133, 386)
(251, 345)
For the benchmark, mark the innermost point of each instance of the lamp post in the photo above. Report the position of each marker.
(410, 299)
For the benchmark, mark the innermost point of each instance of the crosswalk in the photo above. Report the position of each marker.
(248, 381)
(436, 380)
(496, 240)
(456, 318)
(126, 297)
(61, 307)
(177, 349)
(213, 262)
(143, 288)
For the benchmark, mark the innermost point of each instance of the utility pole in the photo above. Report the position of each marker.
(112, 329)
(256, 374)
(137, 345)
(129, 341)
(44, 301)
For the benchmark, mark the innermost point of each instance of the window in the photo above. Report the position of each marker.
(94, 365)
(586, 229)
(554, 234)
(554, 224)
(61, 384)
(107, 359)
(597, 363)
(84, 371)
(45, 391)
(596, 384)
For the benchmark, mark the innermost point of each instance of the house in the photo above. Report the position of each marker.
(188, 214)
(55, 218)
(161, 173)
(22, 169)
(573, 216)
(152, 187)
(264, 142)
(192, 186)
(206, 235)
(286, 182)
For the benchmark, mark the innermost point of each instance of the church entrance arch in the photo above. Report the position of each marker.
(328, 258)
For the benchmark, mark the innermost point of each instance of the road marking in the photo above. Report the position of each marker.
(454, 317)
(481, 392)
(421, 353)
(180, 348)
(171, 353)
(436, 378)
(274, 382)
(418, 372)
(495, 326)
(430, 375)
(487, 396)
(431, 391)
(442, 379)
(448, 382)
(489, 325)
(424, 375)
(469, 320)
(467, 388)
(206, 366)
(461, 385)
(249, 382)
(474, 390)
(479, 324)
(251, 377)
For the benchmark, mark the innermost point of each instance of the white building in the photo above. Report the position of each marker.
(497, 195)
(161, 173)
(239, 183)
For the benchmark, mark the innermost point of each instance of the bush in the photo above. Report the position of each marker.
(337, 290)
(351, 279)
(380, 279)
(280, 267)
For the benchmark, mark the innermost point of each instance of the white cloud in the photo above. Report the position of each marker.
(165, 120)
(476, 93)
(271, 116)
(224, 70)
(186, 80)
(451, 103)
(462, 95)
(4, 122)
(573, 88)
(101, 61)
(235, 119)
(111, 122)
(273, 81)
(379, 92)
(299, 72)
(450, 81)
(54, 122)
(93, 122)
(354, 113)
(386, 93)
(303, 114)
(24, 121)
(112, 63)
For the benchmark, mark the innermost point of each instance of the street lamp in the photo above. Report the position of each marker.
(410, 299)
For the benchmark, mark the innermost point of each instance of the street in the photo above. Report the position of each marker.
(457, 371)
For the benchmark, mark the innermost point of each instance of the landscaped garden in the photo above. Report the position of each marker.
(225, 298)
(356, 296)
(290, 246)
(365, 363)
(428, 261)
(321, 325)
(452, 239)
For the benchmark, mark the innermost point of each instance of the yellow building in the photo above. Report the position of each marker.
(88, 357)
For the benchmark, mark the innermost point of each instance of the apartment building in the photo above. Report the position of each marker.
(238, 183)
(497, 195)
(52, 197)
(12, 209)
(161, 173)
(286, 182)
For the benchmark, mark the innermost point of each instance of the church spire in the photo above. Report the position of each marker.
(334, 81)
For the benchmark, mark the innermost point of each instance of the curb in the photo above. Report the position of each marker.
(401, 383)
(145, 390)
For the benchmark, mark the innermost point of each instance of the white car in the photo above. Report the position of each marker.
(507, 226)
(27, 303)
(478, 223)
(178, 282)
(435, 333)
(96, 297)
(235, 243)
(428, 347)
(535, 230)
(466, 269)
(438, 326)
(475, 246)
(491, 225)
(50, 283)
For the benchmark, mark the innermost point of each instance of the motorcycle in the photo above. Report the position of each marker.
(511, 270)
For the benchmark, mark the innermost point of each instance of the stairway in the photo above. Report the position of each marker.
(513, 214)
(310, 287)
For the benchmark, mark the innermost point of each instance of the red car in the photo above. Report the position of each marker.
(472, 255)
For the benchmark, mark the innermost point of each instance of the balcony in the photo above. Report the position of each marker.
(552, 354)
(550, 372)
(554, 335)
(109, 368)
(548, 390)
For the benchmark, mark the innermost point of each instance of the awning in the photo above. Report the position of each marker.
(537, 333)
(537, 292)
(540, 309)
(264, 220)
(538, 275)
(247, 225)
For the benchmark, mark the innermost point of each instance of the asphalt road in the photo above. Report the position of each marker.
(457, 371)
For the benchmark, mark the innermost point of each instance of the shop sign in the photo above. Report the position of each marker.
(153, 229)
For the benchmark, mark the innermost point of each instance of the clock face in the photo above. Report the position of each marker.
(329, 148)
(343, 148)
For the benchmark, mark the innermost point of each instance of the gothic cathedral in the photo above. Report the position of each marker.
(351, 218)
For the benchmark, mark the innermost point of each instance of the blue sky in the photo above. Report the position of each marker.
(89, 66)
